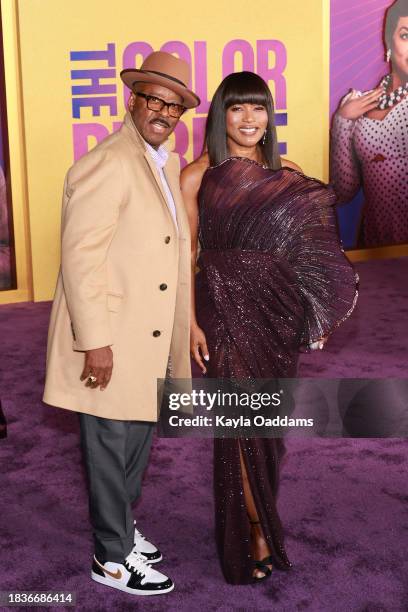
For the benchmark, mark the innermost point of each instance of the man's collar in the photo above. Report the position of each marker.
(159, 155)
(134, 132)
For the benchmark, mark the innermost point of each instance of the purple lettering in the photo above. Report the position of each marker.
(94, 76)
(200, 65)
(181, 142)
(198, 135)
(81, 134)
(108, 55)
(273, 73)
(228, 56)
(96, 104)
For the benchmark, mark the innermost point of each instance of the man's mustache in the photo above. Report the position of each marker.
(162, 121)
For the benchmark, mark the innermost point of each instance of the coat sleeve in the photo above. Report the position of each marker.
(91, 204)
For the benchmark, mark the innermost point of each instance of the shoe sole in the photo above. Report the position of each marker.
(122, 587)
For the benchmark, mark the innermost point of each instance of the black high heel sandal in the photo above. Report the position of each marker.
(262, 565)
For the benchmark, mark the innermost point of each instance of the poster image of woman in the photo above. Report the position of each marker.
(369, 143)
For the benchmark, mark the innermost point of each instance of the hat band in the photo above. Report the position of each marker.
(162, 74)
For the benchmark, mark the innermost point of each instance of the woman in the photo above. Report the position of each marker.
(370, 143)
(272, 277)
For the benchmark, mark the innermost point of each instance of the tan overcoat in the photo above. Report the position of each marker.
(124, 280)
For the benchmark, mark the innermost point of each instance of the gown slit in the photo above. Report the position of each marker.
(245, 478)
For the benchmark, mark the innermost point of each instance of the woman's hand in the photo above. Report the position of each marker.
(319, 344)
(355, 105)
(198, 347)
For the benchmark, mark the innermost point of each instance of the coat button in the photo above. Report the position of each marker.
(156, 333)
(167, 239)
(163, 287)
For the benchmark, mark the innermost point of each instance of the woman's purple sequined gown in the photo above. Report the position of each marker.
(272, 277)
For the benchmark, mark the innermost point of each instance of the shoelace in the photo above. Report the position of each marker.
(138, 563)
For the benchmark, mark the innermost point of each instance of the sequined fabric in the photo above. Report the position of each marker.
(272, 277)
(373, 154)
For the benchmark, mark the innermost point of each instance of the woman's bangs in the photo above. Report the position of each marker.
(245, 93)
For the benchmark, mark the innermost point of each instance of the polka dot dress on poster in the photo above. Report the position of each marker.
(373, 154)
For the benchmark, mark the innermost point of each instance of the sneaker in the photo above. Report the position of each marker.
(145, 548)
(133, 576)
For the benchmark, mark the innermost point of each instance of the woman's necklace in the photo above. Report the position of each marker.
(389, 100)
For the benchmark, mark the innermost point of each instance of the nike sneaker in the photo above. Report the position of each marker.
(145, 548)
(134, 576)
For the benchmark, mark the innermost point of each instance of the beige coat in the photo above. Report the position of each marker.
(119, 244)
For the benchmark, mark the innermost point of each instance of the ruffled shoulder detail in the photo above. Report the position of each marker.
(326, 280)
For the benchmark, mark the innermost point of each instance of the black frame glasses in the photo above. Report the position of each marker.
(157, 104)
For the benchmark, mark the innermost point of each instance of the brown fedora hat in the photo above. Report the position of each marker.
(163, 69)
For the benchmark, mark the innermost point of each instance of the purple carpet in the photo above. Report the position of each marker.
(343, 502)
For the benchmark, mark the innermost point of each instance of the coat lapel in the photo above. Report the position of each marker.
(156, 175)
(171, 172)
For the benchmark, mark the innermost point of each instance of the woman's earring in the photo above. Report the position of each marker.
(388, 56)
(264, 138)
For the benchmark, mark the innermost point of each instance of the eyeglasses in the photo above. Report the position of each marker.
(157, 104)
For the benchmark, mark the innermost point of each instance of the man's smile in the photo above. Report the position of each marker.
(159, 125)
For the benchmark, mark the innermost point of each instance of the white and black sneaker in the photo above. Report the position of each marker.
(148, 550)
(133, 576)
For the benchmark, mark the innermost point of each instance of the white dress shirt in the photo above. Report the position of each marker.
(160, 157)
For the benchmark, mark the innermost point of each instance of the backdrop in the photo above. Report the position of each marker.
(71, 54)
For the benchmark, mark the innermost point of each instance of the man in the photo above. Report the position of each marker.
(121, 310)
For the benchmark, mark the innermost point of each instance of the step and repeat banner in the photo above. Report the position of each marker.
(72, 54)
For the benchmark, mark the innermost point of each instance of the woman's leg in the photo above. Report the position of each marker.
(233, 531)
(260, 460)
(259, 547)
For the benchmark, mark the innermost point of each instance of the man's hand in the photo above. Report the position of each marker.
(98, 364)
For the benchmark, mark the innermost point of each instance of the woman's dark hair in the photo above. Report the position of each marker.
(392, 15)
(240, 88)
